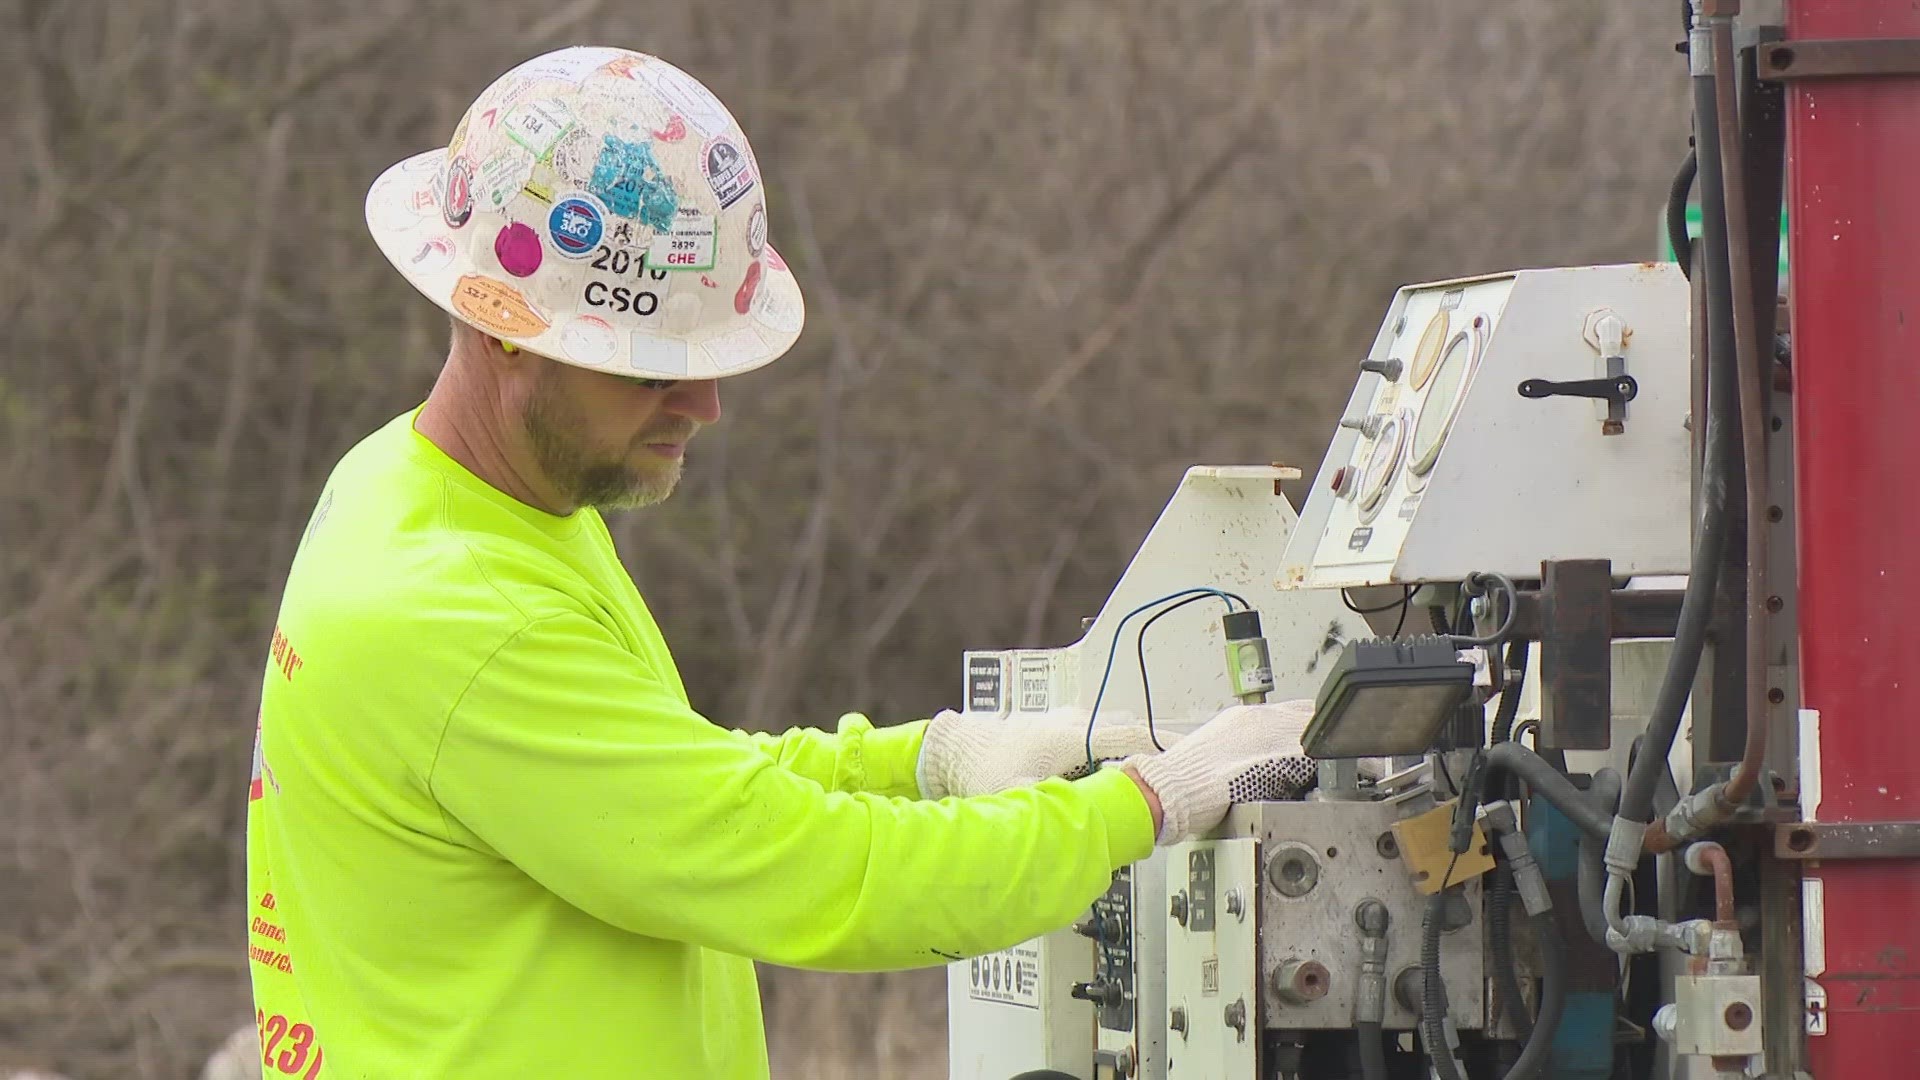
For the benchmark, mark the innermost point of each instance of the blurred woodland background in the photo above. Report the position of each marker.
(1055, 252)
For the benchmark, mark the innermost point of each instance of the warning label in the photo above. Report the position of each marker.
(1011, 976)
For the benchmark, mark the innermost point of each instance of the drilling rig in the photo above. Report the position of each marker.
(1637, 795)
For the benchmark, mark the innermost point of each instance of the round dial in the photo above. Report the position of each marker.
(1383, 461)
(1443, 402)
(1428, 351)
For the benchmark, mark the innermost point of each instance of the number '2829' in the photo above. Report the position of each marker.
(286, 1046)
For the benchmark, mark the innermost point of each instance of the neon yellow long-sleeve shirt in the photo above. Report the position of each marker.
(489, 837)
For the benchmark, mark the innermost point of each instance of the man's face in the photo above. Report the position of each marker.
(609, 442)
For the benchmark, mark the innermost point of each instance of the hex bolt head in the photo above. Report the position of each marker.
(1177, 907)
(1177, 1020)
(1301, 982)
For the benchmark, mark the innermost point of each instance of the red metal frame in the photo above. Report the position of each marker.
(1853, 183)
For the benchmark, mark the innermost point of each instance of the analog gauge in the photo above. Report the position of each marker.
(1428, 351)
(1383, 461)
(1450, 379)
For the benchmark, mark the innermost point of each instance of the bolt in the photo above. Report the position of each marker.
(1236, 906)
(1612, 427)
(1177, 1020)
(1123, 1061)
(1387, 846)
(1177, 907)
(1236, 1016)
(1739, 1015)
(1301, 982)
(1293, 871)
(1774, 604)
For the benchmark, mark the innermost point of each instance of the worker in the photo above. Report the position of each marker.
(488, 835)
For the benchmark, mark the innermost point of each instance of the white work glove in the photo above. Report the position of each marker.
(973, 754)
(1248, 753)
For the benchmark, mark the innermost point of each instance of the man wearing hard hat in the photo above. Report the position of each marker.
(488, 836)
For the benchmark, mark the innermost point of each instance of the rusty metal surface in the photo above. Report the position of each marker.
(1576, 654)
(1847, 840)
(1840, 58)
(1633, 613)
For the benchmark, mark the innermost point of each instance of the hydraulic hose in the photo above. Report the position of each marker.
(1373, 1050)
(1605, 790)
(1553, 1002)
(1550, 784)
(1677, 211)
(1696, 606)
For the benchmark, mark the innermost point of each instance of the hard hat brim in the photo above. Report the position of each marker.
(403, 213)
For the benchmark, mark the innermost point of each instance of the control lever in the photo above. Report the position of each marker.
(1618, 390)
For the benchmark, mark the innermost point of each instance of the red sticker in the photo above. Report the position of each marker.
(676, 130)
(743, 299)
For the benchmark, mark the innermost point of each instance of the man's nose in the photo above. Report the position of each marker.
(696, 399)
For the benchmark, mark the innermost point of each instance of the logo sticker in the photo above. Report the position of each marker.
(496, 306)
(518, 249)
(457, 207)
(757, 230)
(575, 226)
(728, 170)
(502, 175)
(537, 125)
(589, 340)
(685, 94)
(632, 184)
(691, 244)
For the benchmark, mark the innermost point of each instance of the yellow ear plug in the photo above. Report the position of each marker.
(509, 347)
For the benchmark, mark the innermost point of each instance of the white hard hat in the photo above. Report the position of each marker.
(601, 207)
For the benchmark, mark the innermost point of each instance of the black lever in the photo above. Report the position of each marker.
(1620, 389)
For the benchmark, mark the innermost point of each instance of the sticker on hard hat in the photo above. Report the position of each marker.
(537, 125)
(518, 249)
(641, 297)
(729, 171)
(690, 246)
(757, 230)
(496, 306)
(457, 205)
(575, 226)
(632, 184)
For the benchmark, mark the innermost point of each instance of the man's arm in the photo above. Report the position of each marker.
(857, 757)
(567, 757)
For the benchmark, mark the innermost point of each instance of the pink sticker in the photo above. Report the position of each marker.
(518, 248)
(675, 131)
(774, 260)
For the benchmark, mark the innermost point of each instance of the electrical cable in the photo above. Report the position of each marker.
(1405, 599)
(1500, 938)
(1113, 649)
(1499, 635)
(1553, 1000)
(1140, 651)
(1373, 1049)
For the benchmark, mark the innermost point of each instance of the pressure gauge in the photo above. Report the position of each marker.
(1450, 380)
(1428, 351)
(1383, 461)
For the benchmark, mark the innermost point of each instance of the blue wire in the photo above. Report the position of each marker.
(1114, 648)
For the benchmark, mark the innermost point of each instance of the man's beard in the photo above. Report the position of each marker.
(583, 477)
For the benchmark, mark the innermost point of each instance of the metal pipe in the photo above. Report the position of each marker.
(1709, 857)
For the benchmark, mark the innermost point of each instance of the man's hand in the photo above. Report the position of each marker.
(968, 754)
(1248, 753)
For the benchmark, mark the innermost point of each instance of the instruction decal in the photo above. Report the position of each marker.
(1008, 977)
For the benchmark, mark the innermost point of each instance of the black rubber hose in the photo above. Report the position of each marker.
(1500, 937)
(1433, 992)
(1509, 708)
(1373, 1050)
(1677, 212)
(1553, 1001)
(1696, 608)
(1605, 790)
(1437, 615)
(1549, 784)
